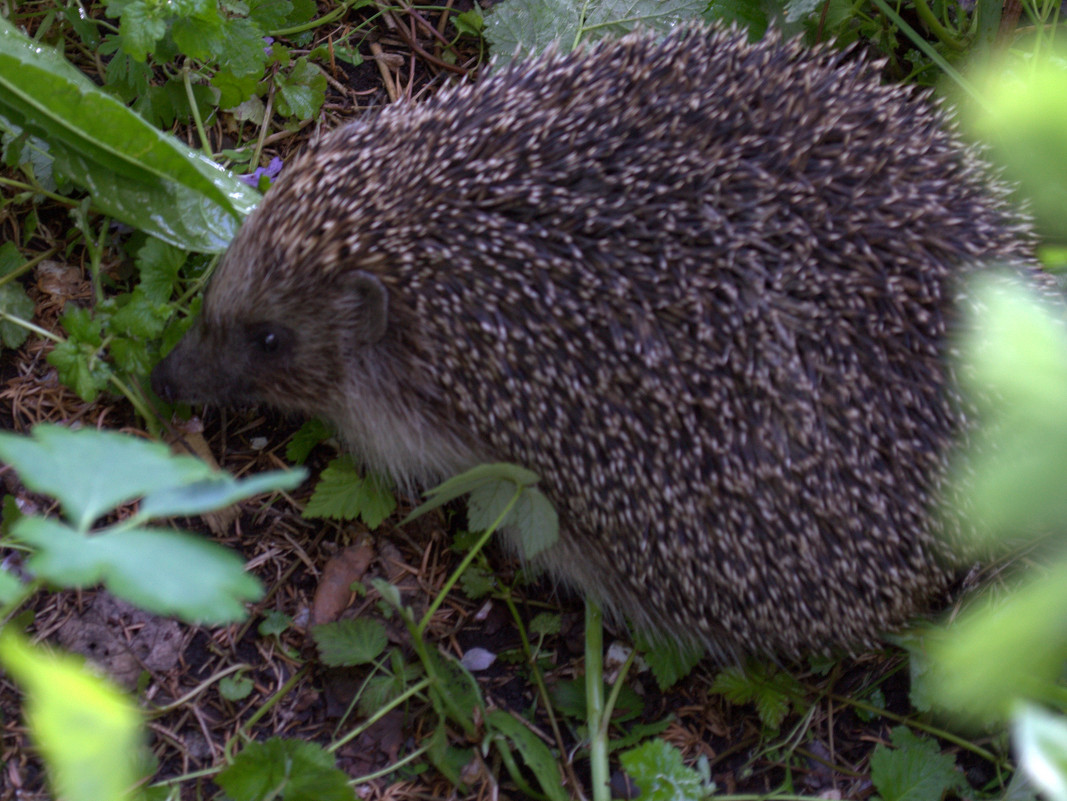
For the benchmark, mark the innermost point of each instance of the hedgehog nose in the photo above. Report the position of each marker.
(162, 384)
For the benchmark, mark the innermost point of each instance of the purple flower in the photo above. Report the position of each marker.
(271, 171)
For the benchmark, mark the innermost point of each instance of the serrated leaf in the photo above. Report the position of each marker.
(535, 753)
(91, 472)
(245, 51)
(158, 264)
(657, 768)
(915, 770)
(343, 494)
(772, 691)
(668, 660)
(136, 174)
(302, 91)
(350, 642)
(80, 369)
(88, 732)
(310, 434)
(141, 27)
(534, 521)
(162, 571)
(291, 770)
(274, 623)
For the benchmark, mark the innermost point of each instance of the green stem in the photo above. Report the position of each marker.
(471, 554)
(188, 83)
(936, 28)
(594, 701)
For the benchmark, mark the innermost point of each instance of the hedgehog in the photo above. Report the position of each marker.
(704, 288)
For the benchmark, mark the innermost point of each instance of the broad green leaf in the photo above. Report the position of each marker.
(1024, 120)
(914, 770)
(287, 770)
(350, 642)
(472, 479)
(535, 753)
(87, 731)
(1018, 642)
(1041, 745)
(1014, 353)
(216, 492)
(165, 572)
(657, 768)
(136, 173)
(91, 472)
(10, 587)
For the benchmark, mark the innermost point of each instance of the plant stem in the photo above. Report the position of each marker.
(594, 700)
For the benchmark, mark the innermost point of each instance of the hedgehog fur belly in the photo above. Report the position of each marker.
(701, 286)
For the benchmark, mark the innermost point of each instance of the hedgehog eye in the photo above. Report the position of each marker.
(269, 339)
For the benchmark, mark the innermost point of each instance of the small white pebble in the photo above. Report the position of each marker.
(477, 659)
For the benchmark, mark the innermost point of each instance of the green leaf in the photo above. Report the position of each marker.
(15, 302)
(350, 642)
(534, 752)
(657, 768)
(235, 688)
(10, 587)
(200, 36)
(470, 480)
(142, 26)
(274, 623)
(302, 91)
(217, 492)
(158, 264)
(456, 689)
(1018, 641)
(291, 770)
(914, 770)
(80, 368)
(1010, 481)
(668, 660)
(526, 29)
(163, 571)
(91, 472)
(310, 434)
(477, 582)
(343, 494)
(269, 14)
(534, 523)
(771, 690)
(233, 89)
(88, 732)
(245, 51)
(1023, 121)
(1041, 746)
(136, 174)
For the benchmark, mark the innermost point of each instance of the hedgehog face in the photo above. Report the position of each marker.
(286, 349)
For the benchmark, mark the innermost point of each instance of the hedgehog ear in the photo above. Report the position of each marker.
(370, 301)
